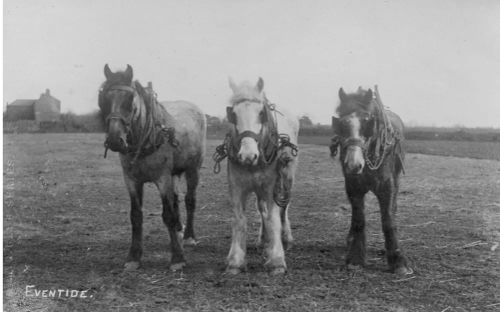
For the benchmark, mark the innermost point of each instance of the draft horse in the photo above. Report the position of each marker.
(157, 142)
(370, 139)
(261, 147)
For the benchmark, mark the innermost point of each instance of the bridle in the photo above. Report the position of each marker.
(126, 122)
(376, 147)
(117, 116)
(268, 152)
(155, 132)
(268, 145)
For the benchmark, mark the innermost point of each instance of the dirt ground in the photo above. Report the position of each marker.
(66, 226)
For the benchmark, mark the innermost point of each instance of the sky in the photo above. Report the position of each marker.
(436, 63)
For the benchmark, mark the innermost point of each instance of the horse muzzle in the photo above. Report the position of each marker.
(116, 144)
(354, 161)
(248, 154)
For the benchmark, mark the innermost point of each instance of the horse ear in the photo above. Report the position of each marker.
(231, 116)
(232, 85)
(129, 72)
(335, 124)
(260, 85)
(368, 96)
(107, 71)
(342, 94)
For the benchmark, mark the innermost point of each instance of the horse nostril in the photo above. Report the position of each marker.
(254, 157)
(359, 167)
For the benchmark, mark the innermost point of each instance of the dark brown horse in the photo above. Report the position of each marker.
(157, 142)
(371, 154)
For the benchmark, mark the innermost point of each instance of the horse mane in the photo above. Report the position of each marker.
(146, 119)
(246, 91)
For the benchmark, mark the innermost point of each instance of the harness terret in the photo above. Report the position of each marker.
(151, 135)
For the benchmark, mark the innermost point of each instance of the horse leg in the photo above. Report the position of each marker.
(273, 249)
(135, 190)
(387, 195)
(236, 258)
(286, 235)
(286, 232)
(192, 179)
(171, 219)
(356, 240)
(262, 239)
(287, 172)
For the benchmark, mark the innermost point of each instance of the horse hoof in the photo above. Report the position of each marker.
(287, 245)
(177, 266)
(277, 271)
(232, 271)
(190, 242)
(131, 266)
(403, 271)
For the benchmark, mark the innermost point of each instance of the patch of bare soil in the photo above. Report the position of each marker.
(66, 226)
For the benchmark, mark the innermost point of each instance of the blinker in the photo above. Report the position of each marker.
(231, 116)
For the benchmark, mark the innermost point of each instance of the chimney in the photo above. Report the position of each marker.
(150, 85)
(47, 92)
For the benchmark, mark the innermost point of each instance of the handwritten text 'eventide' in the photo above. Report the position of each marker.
(31, 291)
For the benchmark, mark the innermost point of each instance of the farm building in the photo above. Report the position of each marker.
(46, 108)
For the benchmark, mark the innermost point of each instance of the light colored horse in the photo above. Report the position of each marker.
(157, 142)
(262, 153)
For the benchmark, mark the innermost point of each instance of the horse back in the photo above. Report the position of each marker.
(398, 128)
(288, 124)
(396, 123)
(190, 131)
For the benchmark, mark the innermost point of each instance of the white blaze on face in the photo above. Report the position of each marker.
(248, 119)
(354, 159)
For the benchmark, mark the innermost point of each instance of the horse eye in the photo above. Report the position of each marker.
(127, 106)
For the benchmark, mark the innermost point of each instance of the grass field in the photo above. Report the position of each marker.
(66, 226)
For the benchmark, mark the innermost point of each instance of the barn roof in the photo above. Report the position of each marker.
(22, 103)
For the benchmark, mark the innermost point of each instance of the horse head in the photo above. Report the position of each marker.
(116, 101)
(249, 115)
(354, 126)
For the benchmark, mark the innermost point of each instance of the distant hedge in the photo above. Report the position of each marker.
(68, 122)
(217, 128)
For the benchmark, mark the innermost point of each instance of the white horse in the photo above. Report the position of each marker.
(262, 150)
